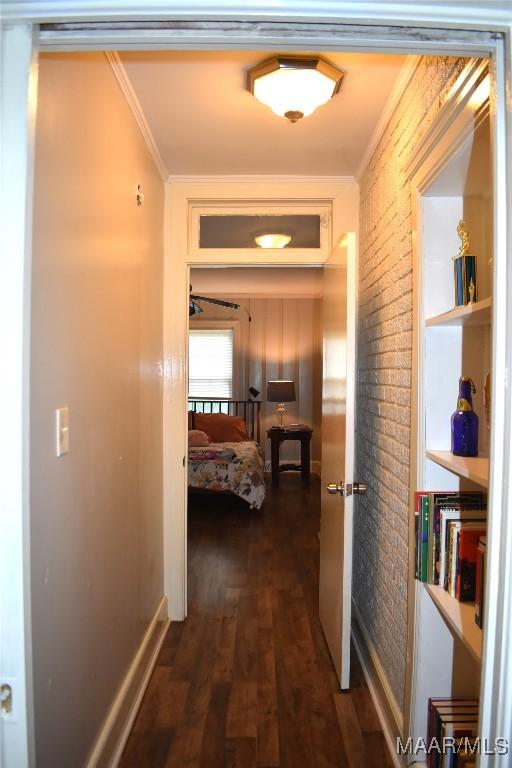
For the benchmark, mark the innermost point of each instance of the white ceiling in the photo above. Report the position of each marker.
(204, 121)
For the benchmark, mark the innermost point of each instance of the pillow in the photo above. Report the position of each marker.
(222, 428)
(197, 439)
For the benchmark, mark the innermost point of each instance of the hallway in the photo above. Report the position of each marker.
(247, 679)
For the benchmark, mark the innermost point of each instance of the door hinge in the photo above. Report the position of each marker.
(5, 699)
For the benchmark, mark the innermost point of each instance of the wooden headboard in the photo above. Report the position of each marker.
(249, 410)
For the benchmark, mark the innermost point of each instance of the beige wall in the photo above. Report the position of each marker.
(282, 340)
(96, 513)
(380, 578)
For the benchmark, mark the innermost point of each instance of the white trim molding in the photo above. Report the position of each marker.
(131, 97)
(388, 711)
(447, 28)
(343, 199)
(402, 81)
(258, 179)
(118, 723)
(18, 102)
(493, 14)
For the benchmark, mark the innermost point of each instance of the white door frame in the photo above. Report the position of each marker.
(180, 254)
(446, 29)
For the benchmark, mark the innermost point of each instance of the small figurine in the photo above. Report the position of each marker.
(464, 238)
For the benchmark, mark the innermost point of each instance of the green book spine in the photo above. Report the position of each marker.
(424, 511)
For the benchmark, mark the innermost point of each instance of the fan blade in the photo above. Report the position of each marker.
(193, 308)
(219, 302)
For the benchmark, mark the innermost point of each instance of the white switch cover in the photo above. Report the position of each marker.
(62, 430)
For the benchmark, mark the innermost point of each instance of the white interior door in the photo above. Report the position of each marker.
(338, 400)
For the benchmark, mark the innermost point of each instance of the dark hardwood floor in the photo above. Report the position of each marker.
(247, 679)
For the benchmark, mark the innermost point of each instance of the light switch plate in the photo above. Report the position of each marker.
(62, 431)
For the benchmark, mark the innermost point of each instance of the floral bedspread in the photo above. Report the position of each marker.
(238, 467)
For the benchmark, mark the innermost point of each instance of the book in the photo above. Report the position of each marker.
(447, 515)
(455, 528)
(463, 732)
(480, 580)
(418, 533)
(428, 506)
(447, 717)
(439, 500)
(424, 522)
(437, 707)
(465, 584)
(421, 529)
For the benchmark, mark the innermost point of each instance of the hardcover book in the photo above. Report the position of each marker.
(465, 586)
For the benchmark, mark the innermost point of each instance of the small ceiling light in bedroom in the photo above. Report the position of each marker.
(294, 86)
(273, 240)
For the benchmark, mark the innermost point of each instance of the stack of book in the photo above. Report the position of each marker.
(452, 731)
(450, 527)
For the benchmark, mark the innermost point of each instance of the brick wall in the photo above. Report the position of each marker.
(384, 370)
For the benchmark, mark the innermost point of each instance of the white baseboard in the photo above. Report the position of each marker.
(388, 711)
(118, 723)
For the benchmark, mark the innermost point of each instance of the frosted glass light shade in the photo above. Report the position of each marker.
(273, 240)
(294, 86)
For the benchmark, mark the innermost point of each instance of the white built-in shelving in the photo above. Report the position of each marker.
(478, 313)
(460, 617)
(475, 468)
(451, 180)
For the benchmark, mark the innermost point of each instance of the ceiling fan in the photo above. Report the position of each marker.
(195, 309)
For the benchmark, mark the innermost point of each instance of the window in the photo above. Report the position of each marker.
(210, 366)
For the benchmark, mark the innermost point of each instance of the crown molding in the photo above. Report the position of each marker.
(489, 15)
(134, 104)
(404, 77)
(258, 179)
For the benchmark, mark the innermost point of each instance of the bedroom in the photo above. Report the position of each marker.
(112, 288)
(275, 334)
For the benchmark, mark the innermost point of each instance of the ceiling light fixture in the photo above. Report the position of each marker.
(273, 240)
(294, 86)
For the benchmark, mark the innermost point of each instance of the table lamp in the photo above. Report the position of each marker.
(281, 391)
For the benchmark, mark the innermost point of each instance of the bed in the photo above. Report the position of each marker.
(227, 466)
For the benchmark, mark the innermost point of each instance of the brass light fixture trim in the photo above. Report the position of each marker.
(298, 63)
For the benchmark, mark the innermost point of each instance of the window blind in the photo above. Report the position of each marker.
(210, 363)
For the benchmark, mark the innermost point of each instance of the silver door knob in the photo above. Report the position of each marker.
(347, 489)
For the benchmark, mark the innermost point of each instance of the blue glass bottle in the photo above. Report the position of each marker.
(465, 421)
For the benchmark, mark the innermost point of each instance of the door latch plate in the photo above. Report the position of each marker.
(5, 699)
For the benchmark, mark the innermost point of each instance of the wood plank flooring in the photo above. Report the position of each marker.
(247, 679)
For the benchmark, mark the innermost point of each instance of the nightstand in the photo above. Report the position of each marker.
(277, 435)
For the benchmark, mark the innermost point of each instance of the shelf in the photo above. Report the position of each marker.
(472, 468)
(460, 617)
(479, 313)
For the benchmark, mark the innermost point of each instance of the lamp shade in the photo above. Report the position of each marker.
(281, 391)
